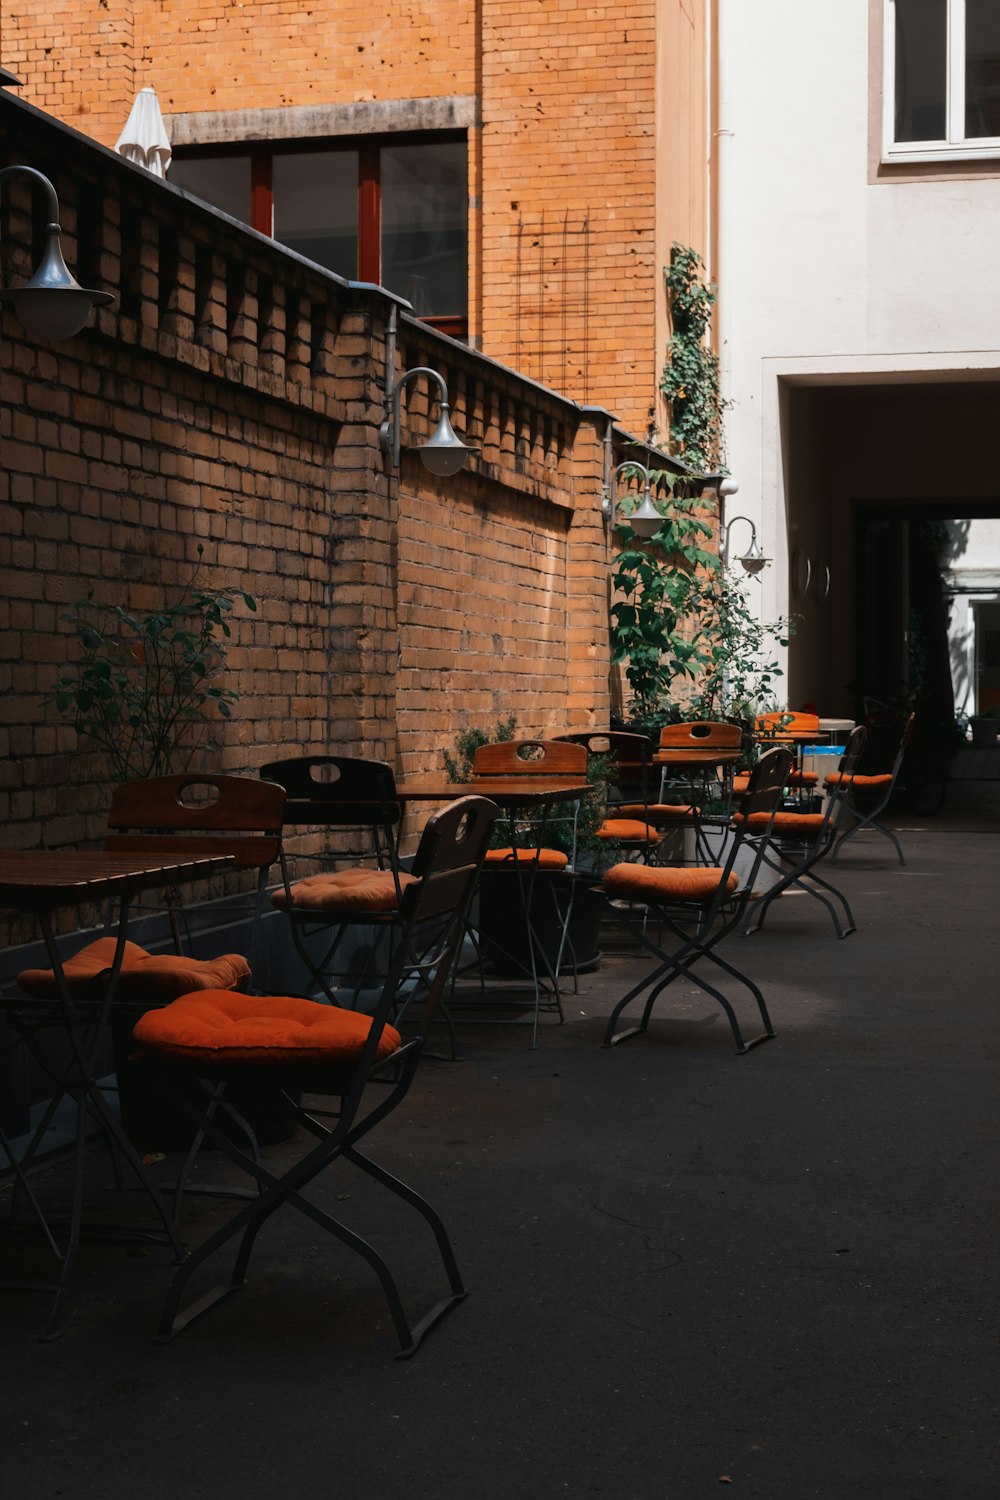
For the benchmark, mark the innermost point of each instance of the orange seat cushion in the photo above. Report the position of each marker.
(218, 1026)
(741, 783)
(803, 778)
(345, 891)
(863, 783)
(661, 812)
(542, 859)
(146, 978)
(799, 825)
(627, 831)
(649, 883)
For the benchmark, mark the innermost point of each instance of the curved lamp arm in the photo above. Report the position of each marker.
(444, 452)
(646, 520)
(753, 560)
(52, 304)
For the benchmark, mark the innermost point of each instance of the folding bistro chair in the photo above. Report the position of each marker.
(795, 726)
(870, 796)
(308, 1048)
(698, 907)
(794, 843)
(355, 799)
(686, 753)
(539, 874)
(629, 823)
(197, 813)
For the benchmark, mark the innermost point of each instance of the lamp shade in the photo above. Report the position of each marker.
(444, 452)
(646, 520)
(753, 560)
(52, 304)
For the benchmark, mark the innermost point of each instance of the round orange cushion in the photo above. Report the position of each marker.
(150, 979)
(803, 778)
(345, 890)
(648, 883)
(218, 1026)
(544, 859)
(627, 830)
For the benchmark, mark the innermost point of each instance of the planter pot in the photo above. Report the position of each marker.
(984, 732)
(153, 1123)
(502, 936)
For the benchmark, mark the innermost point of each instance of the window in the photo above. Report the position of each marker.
(392, 210)
(942, 79)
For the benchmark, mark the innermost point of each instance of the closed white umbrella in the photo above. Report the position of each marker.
(144, 139)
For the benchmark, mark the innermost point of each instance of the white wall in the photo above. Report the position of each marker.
(826, 276)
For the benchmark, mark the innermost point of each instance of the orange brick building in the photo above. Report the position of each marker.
(517, 168)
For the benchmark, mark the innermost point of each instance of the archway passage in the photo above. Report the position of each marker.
(872, 470)
(893, 501)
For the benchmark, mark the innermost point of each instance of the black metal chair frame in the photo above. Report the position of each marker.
(361, 798)
(795, 860)
(555, 889)
(631, 753)
(868, 818)
(433, 912)
(700, 927)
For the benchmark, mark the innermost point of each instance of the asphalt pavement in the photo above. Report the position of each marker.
(690, 1273)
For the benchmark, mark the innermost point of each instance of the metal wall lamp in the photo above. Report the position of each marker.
(444, 452)
(646, 520)
(753, 560)
(52, 304)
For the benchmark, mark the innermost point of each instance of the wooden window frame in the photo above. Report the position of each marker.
(369, 149)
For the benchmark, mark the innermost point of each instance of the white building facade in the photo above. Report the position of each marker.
(858, 161)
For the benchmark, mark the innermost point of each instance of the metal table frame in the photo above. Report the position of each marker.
(41, 883)
(513, 794)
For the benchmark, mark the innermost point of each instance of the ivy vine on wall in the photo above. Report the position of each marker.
(690, 379)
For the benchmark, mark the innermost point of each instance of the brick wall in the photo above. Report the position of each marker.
(565, 269)
(233, 400)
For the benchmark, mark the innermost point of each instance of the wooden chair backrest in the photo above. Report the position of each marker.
(700, 734)
(198, 814)
(788, 721)
(530, 758)
(334, 790)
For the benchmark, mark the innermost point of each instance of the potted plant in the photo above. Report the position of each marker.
(143, 686)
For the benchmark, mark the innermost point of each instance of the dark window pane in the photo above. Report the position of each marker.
(982, 68)
(316, 207)
(223, 181)
(425, 200)
(921, 62)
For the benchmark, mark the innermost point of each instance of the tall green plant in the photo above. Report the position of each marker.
(690, 379)
(740, 666)
(659, 592)
(143, 686)
(458, 767)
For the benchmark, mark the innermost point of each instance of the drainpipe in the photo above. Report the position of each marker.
(725, 147)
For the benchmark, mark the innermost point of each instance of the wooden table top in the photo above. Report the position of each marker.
(40, 879)
(511, 790)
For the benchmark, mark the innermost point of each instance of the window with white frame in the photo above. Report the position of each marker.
(942, 79)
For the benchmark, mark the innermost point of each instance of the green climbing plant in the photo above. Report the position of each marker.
(690, 379)
(659, 598)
